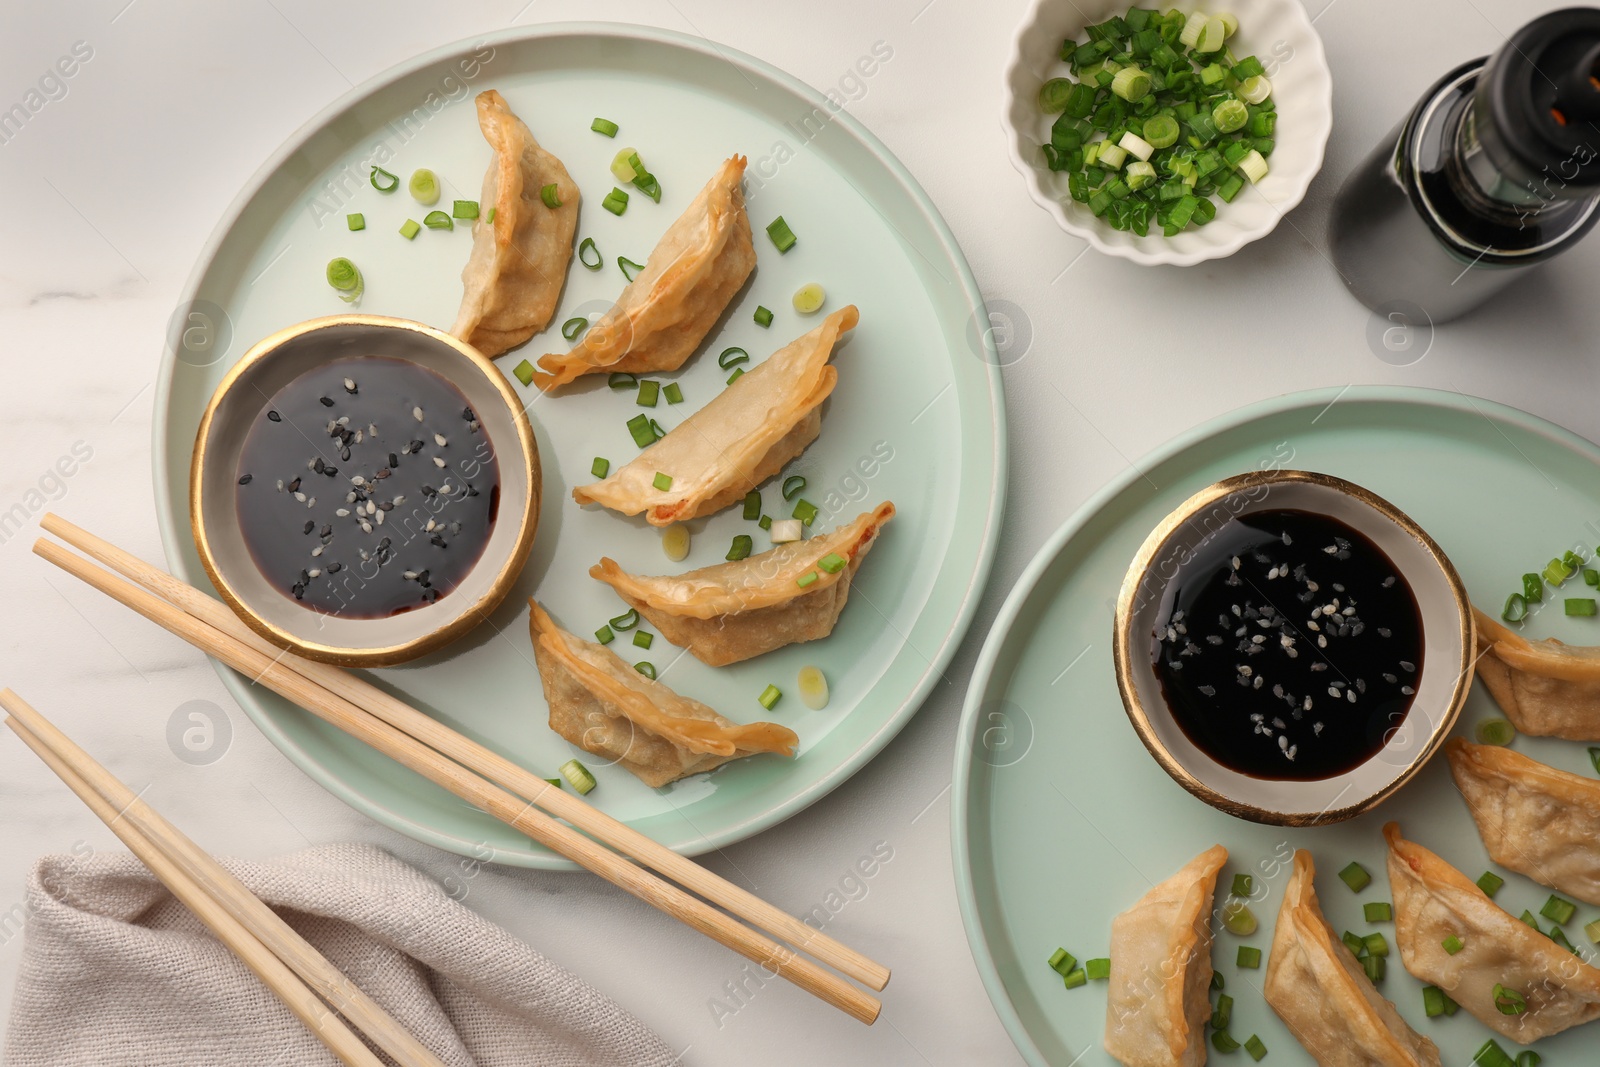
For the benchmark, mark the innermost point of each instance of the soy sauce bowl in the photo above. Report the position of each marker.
(351, 638)
(1176, 553)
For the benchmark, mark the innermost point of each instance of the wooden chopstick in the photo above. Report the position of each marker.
(261, 922)
(277, 976)
(485, 762)
(406, 750)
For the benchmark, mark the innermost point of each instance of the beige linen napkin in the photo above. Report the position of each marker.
(115, 971)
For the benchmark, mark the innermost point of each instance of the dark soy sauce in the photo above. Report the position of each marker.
(367, 488)
(1289, 646)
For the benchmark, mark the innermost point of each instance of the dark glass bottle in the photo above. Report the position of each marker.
(1496, 170)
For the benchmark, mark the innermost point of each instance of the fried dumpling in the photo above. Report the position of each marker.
(1434, 901)
(1316, 986)
(664, 313)
(733, 611)
(602, 705)
(1533, 819)
(1546, 688)
(513, 278)
(742, 437)
(1159, 997)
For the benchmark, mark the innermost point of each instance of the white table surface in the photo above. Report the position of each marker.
(111, 189)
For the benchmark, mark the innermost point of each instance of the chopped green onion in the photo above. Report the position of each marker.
(1075, 979)
(738, 372)
(1356, 877)
(639, 427)
(646, 668)
(765, 522)
(1189, 36)
(1452, 944)
(1161, 131)
(1495, 732)
(1253, 1044)
(464, 209)
(1053, 95)
(573, 327)
(1433, 1001)
(410, 228)
(673, 393)
(1095, 969)
(1222, 1014)
(345, 279)
(732, 357)
(1559, 936)
(1211, 38)
(621, 380)
(600, 467)
(1516, 608)
(524, 372)
(1377, 945)
(383, 181)
(1242, 885)
(489, 216)
(1355, 943)
(809, 298)
(1253, 166)
(1591, 576)
(356, 221)
(781, 235)
(814, 695)
(586, 247)
(1255, 90)
(424, 186)
(805, 511)
(1492, 1055)
(616, 202)
(1558, 910)
(1217, 982)
(551, 196)
(1062, 961)
(630, 269)
(1223, 1042)
(792, 486)
(1584, 606)
(1378, 911)
(1509, 1001)
(1249, 957)
(577, 776)
(554, 781)
(1490, 883)
(1555, 572)
(806, 579)
(752, 504)
(769, 696)
(675, 542)
(626, 621)
(1529, 1058)
(1230, 115)
(763, 317)
(740, 549)
(642, 639)
(1238, 919)
(833, 563)
(1594, 758)
(1592, 931)
(1375, 966)
(655, 428)
(661, 481)
(1529, 920)
(622, 165)
(1532, 588)
(649, 392)
(1130, 83)
(604, 635)
(604, 126)
(438, 220)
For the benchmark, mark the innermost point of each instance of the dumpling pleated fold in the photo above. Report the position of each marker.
(1546, 688)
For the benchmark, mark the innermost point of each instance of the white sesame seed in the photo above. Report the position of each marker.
(1322, 641)
(1407, 666)
(380, 517)
(317, 551)
(342, 512)
(399, 500)
(1350, 695)
(437, 462)
(416, 413)
(1257, 683)
(1316, 727)
(1291, 752)
(300, 496)
(366, 527)
(409, 576)
(314, 572)
(1407, 690)
(1235, 562)
(349, 383)
(1307, 707)
(372, 429)
(439, 440)
(356, 479)
(1283, 742)
(1245, 670)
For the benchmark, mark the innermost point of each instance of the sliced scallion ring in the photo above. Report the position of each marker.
(741, 547)
(573, 327)
(732, 357)
(630, 269)
(626, 622)
(383, 181)
(622, 165)
(585, 249)
(604, 126)
(551, 196)
(782, 237)
(345, 278)
(792, 486)
(808, 299)
(438, 220)
(577, 776)
(424, 186)
(620, 380)
(646, 668)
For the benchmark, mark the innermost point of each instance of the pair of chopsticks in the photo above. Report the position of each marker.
(775, 940)
(311, 987)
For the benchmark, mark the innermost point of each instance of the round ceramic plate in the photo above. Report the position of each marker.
(916, 417)
(1062, 819)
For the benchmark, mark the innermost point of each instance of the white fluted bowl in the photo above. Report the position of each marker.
(1276, 31)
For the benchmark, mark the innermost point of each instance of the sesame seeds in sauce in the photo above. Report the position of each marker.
(357, 555)
(1287, 646)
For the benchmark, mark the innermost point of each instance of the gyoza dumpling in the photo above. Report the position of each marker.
(733, 611)
(742, 437)
(1160, 993)
(513, 278)
(602, 705)
(1534, 819)
(1434, 901)
(1545, 687)
(1316, 986)
(667, 310)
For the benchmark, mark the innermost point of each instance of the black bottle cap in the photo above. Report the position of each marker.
(1537, 105)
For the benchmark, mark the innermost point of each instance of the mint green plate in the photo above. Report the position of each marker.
(1061, 819)
(916, 418)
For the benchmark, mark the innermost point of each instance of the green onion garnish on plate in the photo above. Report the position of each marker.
(464, 209)
(1509, 1001)
(577, 776)
(1097, 969)
(752, 504)
(1495, 732)
(643, 639)
(662, 482)
(551, 196)
(383, 181)
(410, 228)
(1490, 883)
(604, 635)
(740, 549)
(792, 486)
(626, 621)
(1062, 961)
(589, 254)
(438, 220)
(643, 434)
(424, 186)
(763, 317)
(1379, 911)
(600, 467)
(345, 279)
(630, 269)
(673, 393)
(732, 357)
(805, 511)
(616, 201)
(649, 393)
(604, 126)
(783, 238)
(769, 696)
(738, 372)
(1249, 957)
(1575, 605)
(1558, 910)
(356, 221)
(524, 372)
(621, 380)
(573, 327)
(833, 563)
(1452, 944)
(1356, 877)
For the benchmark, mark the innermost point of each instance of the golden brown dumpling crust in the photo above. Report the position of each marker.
(661, 317)
(513, 278)
(1316, 986)
(733, 611)
(1533, 819)
(1433, 901)
(602, 705)
(743, 436)
(1546, 688)
(1158, 1000)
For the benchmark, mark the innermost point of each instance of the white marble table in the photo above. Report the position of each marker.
(112, 186)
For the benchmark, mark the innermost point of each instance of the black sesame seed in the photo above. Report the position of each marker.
(385, 543)
(429, 490)
(309, 526)
(394, 460)
(299, 592)
(274, 416)
(244, 479)
(385, 505)
(414, 446)
(335, 568)
(327, 401)
(294, 486)
(466, 413)
(383, 472)
(317, 465)
(305, 576)
(422, 576)
(436, 540)
(327, 530)
(330, 471)
(344, 453)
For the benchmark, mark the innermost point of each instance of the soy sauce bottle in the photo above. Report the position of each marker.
(1496, 170)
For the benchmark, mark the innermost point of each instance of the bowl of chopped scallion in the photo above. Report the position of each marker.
(1168, 135)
